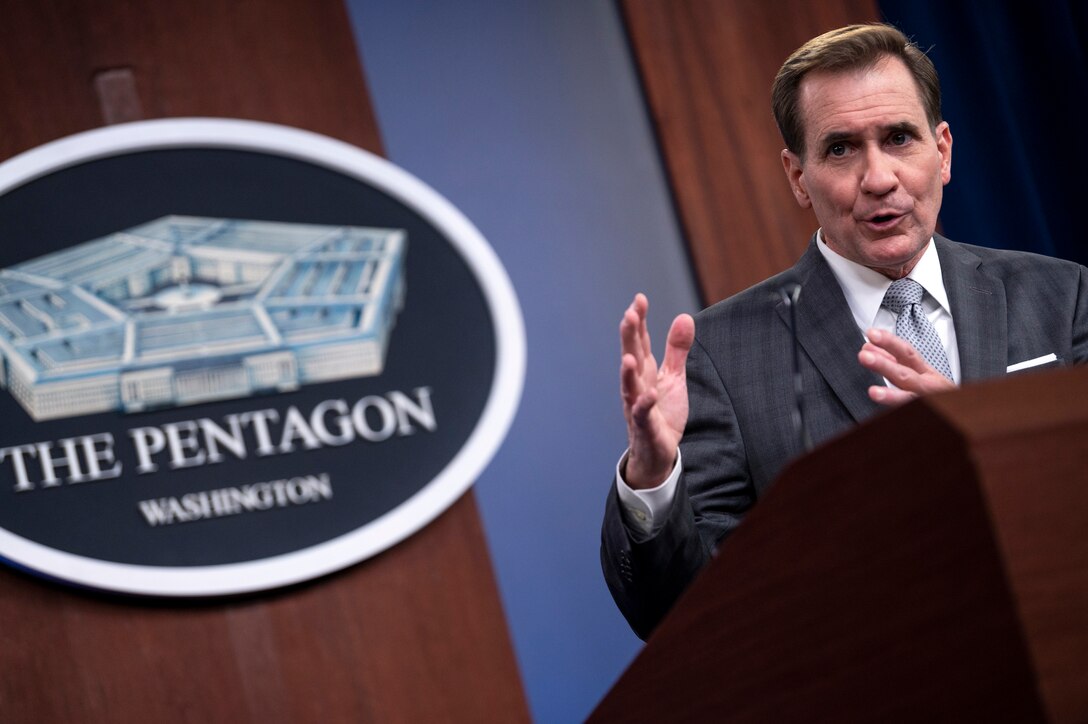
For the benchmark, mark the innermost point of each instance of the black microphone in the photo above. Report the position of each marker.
(790, 291)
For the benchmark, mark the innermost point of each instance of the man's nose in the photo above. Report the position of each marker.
(878, 175)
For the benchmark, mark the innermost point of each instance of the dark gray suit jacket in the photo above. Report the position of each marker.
(1007, 307)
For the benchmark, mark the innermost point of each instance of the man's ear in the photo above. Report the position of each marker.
(944, 147)
(795, 174)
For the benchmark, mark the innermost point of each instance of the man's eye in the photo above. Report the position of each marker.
(837, 149)
(899, 139)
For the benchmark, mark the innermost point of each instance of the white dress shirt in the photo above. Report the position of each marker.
(646, 510)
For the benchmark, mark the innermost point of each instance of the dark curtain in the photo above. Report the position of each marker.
(1015, 93)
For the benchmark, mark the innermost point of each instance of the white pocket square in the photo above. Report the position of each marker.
(1033, 362)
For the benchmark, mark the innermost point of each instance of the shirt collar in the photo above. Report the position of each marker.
(865, 288)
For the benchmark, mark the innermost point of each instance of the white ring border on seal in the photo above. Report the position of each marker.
(383, 532)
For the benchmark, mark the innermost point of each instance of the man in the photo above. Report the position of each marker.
(708, 431)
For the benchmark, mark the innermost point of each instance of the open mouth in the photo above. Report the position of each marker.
(884, 221)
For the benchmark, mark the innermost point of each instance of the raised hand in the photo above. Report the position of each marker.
(899, 363)
(655, 400)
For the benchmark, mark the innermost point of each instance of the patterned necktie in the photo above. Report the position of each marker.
(904, 297)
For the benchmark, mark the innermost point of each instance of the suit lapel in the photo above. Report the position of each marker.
(830, 337)
(978, 312)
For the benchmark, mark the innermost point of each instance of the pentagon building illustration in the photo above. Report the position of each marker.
(184, 310)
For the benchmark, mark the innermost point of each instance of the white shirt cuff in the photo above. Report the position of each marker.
(645, 511)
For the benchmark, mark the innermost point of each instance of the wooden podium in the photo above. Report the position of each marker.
(932, 565)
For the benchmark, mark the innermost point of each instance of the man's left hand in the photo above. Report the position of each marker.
(899, 363)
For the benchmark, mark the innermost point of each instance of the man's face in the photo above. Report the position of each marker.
(873, 171)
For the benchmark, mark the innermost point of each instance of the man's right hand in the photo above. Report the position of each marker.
(655, 400)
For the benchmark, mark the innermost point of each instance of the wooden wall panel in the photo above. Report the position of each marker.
(283, 61)
(414, 634)
(707, 68)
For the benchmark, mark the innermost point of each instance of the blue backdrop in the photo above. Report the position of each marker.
(528, 117)
(1015, 89)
